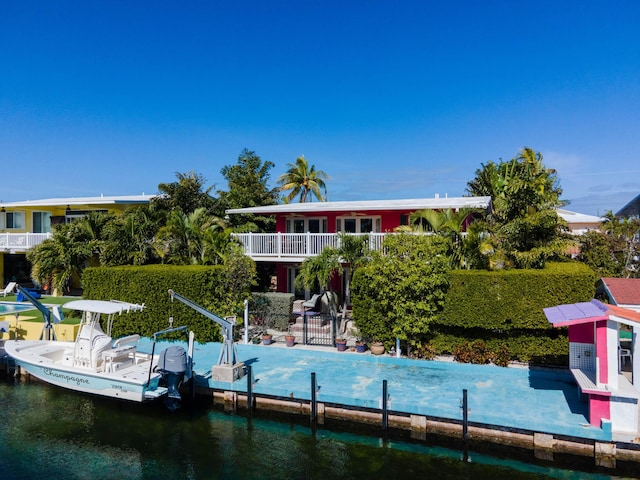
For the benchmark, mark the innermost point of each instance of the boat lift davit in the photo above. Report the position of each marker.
(228, 369)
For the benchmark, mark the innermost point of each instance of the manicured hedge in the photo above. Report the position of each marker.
(205, 285)
(513, 299)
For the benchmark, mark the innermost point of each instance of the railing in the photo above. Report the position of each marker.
(295, 245)
(21, 242)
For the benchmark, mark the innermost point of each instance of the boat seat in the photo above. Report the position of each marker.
(117, 357)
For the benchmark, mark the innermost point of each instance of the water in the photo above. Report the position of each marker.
(8, 308)
(46, 432)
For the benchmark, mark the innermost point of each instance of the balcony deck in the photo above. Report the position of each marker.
(295, 247)
(21, 242)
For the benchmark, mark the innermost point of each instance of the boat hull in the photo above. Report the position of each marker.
(45, 361)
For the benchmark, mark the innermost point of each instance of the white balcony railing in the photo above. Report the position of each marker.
(21, 242)
(270, 246)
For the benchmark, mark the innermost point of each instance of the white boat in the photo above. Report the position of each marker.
(97, 364)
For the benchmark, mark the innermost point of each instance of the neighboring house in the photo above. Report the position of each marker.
(304, 229)
(24, 225)
(631, 209)
(623, 292)
(580, 223)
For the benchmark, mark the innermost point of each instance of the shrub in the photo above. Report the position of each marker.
(273, 309)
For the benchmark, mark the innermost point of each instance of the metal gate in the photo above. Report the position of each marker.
(316, 329)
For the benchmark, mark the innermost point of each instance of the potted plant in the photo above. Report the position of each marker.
(361, 346)
(377, 348)
(341, 344)
(290, 339)
(267, 338)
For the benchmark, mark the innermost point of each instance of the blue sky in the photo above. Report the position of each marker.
(391, 99)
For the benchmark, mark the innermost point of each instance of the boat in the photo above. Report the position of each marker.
(97, 364)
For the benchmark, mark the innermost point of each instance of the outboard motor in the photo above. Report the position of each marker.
(172, 365)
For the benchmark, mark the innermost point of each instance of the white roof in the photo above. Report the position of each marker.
(573, 217)
(74, 201)
(405, 204)
(103, 306)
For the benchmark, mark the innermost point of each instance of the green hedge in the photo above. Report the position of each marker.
(513, 299)
(204, 285)
(273, 308)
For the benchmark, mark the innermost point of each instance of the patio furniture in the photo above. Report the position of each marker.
(8, 289)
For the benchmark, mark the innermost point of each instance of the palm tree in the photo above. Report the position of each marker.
(303, 180)
(197, 239)
(59, 259)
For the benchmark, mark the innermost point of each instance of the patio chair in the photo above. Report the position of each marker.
(8, 289)
(311, 303)
(625, 355)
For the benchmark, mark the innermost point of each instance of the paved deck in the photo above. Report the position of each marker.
(542, 400)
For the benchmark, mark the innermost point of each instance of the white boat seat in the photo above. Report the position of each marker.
(116, 357)
(128, 340)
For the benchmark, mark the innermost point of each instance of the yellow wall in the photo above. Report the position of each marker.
(32, 330)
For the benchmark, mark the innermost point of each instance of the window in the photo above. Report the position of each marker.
(304, 225)
(13, 220)
(358, 224)
(41, 222)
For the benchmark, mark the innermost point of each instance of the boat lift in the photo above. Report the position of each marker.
(228, 368)
(48, 332)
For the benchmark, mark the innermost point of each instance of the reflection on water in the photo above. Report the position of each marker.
(55, 434)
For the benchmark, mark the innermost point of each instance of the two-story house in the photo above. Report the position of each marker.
(304, 229)
(24, 225)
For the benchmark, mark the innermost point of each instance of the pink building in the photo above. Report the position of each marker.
(304, 229)
(603, 362)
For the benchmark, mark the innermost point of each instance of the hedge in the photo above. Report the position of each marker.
(513, 299)
(204, 285)
(272, 309)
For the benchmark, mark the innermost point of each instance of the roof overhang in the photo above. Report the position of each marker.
(589, 312)
(78, 201)
(435, 203)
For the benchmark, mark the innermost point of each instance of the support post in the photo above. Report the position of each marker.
(249, 389)
(465, 416)
(246, 321)
(385, 413)
(314, 402)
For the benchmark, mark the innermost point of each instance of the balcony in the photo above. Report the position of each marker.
(294, 247)
(21, 242)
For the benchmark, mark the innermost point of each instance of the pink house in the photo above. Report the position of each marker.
(604, 364)
(304, 229)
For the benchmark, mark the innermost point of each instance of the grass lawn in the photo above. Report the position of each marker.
(36, 316)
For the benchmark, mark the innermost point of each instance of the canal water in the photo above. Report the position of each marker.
(46, 432)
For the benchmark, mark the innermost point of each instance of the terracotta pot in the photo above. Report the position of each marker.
(290, 340)
(341, 345)
(377, 348)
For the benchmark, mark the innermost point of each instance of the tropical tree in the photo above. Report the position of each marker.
(186, 194)
(318, 271)
(247, 182)
(198, 238)
(523, 228)
(614, 249)
(127, 238)
(63, 256)
(304, 181)
(399, 292)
